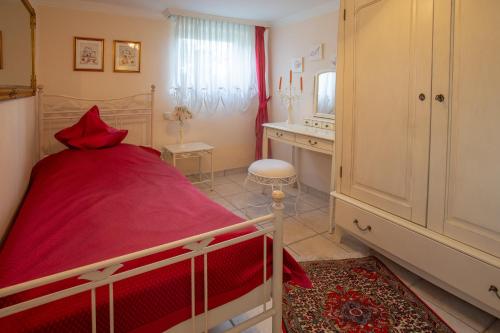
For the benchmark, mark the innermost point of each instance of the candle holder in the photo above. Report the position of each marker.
(288, 97)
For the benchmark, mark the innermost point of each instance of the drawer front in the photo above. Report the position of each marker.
(328, 126)
(316, 143)
(455, 268)
(274, 133)
(316, 123)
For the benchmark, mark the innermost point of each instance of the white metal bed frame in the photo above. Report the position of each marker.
(62, 111)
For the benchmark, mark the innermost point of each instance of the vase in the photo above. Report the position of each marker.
(181, 133)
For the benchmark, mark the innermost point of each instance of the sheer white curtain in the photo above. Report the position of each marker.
(213, 65)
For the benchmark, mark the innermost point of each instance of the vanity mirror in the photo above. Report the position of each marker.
(324, 94)
(17, 54)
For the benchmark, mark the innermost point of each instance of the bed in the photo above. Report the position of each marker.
(116, 240)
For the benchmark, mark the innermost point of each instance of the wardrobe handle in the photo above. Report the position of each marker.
(421, 97)
(494, 289)
(367, 228)
(440, 98)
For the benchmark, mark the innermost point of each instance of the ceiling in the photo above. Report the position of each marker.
(258, 10)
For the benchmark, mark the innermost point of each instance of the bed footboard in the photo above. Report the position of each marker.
(104, 273)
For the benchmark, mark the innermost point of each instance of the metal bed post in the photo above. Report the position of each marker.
(277, 282)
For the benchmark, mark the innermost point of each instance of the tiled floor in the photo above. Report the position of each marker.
(306, 237)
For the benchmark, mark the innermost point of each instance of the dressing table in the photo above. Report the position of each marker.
(315, 134)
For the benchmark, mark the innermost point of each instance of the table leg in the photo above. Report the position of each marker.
(265, 145)
(212, 170)
(332, 199)
(174, 159)
(199, 167)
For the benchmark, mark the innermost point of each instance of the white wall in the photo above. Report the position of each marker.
(293, 40)
(17, 154)
(232, 133)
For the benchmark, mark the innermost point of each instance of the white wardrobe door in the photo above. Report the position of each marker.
(464, 197)
(388, 54)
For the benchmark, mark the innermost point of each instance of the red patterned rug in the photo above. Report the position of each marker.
(356, 295)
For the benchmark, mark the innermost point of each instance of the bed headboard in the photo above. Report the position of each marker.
(133, 113)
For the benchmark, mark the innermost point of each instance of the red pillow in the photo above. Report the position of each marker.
(90, 132)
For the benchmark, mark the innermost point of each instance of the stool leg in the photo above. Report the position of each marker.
(298, 197)
(245, 182)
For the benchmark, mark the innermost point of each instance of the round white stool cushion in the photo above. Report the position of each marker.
(270, 168)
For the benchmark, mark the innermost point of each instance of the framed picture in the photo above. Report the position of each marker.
(1, 51)
(127, 56)
(297, 65)
(316, 52)
(88, 54)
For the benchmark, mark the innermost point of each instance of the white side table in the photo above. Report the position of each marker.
(192, 150)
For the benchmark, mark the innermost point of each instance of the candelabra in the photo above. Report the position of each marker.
(289, 96)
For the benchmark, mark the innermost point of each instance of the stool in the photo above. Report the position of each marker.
(274, 173)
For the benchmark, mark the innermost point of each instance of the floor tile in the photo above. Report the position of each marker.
(405, 275)
(317, 220)
(355, 248)
(206, 189)
(294, 231)
(314, 201)
(238, 178)
(223, 202)
(228, 189)
(302, 207)
(495, 328)
(294, 254)
(240, 213)
(222, 180)
(456, 324)
(317, 248)
(290, 190)
(262, 327)
(469, 314)
(221, 328)
(247, 315)
(245, 199)
(254, 212)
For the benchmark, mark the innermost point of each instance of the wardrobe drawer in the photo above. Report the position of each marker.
(274, 133)
(459, 272)
(314, 142)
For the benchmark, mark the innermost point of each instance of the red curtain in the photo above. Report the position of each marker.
(262, 115)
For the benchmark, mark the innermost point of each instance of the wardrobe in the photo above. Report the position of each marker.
(418, 138)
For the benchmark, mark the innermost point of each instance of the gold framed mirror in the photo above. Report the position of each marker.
(17, 49)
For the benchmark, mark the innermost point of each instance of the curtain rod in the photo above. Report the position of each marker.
(172, 12)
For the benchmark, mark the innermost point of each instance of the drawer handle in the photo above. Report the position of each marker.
(367, 228)
(313, 143)
(279, 135)
(494, 289)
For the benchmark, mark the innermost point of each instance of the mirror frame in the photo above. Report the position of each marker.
(16, 91)
(315, 97)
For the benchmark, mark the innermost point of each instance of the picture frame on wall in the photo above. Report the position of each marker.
(127, 56)
(88, 54)
(316, 52)
(297, 65)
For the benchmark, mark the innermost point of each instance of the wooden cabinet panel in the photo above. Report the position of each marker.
(388, 55)
(466, 206)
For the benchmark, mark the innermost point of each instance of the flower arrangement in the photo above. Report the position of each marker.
(181, 114)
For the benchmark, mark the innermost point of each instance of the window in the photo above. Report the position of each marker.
(213, 65)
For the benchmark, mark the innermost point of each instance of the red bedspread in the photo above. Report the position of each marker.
(88, 206)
